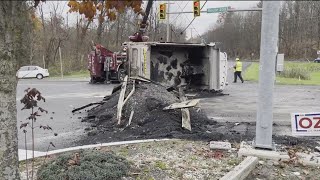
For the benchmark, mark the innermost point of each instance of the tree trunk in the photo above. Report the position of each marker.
(9, 169)
(318, 29)
(118, 26)
(45, 38)
(100, 29)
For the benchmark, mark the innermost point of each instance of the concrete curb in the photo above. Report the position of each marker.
(41, 154)
(311, 159)
(241, 171)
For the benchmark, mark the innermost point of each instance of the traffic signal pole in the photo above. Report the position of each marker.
(229, 10)
(268, 54)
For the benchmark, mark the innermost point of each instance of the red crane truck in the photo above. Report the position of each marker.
(105, 65)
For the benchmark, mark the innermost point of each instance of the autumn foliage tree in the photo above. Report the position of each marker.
(102, 9)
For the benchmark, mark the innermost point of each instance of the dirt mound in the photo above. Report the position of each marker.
(149, 119)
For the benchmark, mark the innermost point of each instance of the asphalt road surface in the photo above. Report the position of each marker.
(61, 98)
(241, 103)
(239, 106)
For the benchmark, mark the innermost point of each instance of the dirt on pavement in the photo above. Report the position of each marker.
(150, 121)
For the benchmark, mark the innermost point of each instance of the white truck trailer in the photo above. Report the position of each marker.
(200, 66)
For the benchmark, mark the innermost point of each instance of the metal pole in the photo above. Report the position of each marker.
(229, 10)
(244, 9)
(44, 63)
(268, 53)
(61, 66)
(168, 24)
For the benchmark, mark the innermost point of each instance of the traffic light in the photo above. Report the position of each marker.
(196, 8)
(162, 12)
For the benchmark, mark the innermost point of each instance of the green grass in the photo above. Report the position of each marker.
(75, 74)
(252, 72)
(309, 73)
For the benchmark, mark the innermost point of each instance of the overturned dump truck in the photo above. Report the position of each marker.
(199, 66)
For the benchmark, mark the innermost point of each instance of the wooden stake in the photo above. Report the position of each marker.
(184, 104)
(130, 94)
(130, 118)
(121, 98)
(186, 122)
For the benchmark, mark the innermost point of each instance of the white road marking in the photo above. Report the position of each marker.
(22, 154)
(76, 95)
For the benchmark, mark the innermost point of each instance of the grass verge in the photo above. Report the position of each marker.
(309, 73)
(175, 159)
(75, 74)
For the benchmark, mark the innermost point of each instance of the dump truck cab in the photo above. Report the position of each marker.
(105, 65)
(200, 66)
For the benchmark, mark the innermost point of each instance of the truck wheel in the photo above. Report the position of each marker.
(92, 80)
(121, 75)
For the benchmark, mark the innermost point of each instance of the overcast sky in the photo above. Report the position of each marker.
(199, 26)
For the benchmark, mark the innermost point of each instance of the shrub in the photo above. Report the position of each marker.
(84, 165)
(296, 72)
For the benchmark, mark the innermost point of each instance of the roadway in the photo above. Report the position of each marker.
(61, 98)
(239, 106)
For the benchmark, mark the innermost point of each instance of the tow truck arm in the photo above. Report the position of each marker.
(137, 37)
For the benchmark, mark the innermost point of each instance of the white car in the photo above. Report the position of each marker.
(32, 72)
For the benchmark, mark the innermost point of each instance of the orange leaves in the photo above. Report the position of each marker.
(101, 18)
(89, 8)
(100, 7)
(74, 6)
(112, 16)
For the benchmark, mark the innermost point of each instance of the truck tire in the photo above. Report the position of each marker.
(92, 80)
(121, 75)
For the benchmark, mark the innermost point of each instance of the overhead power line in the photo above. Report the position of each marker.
(191, 24)
(180, 13)
(192, 19)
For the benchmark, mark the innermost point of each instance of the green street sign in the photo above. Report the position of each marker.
(217, 10)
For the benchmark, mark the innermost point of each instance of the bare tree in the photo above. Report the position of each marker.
(299, 31)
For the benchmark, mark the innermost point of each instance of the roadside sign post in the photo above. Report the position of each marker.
(305, 124)
(280, 63)
(268, 54)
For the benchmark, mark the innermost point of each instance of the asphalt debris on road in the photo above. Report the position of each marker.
(150, 121)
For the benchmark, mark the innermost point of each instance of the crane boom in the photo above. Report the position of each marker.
(138, 36)
(145, 17)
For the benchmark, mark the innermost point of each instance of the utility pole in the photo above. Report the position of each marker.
(61, 66)
(268, 54)
(168, 22)
(191, 30)
(44, 63)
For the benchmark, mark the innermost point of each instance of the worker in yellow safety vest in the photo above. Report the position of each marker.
(237, 70)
